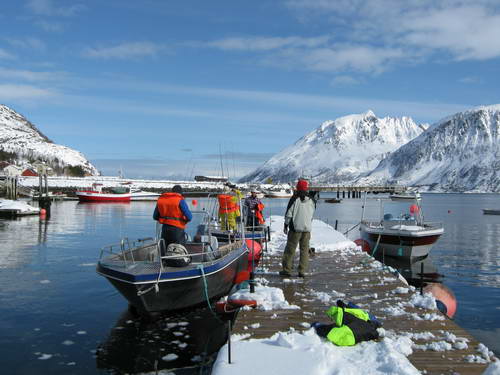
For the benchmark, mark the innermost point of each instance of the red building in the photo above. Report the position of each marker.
(29, 172)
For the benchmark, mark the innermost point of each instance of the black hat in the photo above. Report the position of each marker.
(177, 189)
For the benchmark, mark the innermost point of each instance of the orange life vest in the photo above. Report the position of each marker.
(170, 212)
(258, 213)
(227, 203)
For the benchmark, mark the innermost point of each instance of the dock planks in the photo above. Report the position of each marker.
(372, 288)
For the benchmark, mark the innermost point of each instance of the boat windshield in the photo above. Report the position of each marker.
(197, 226)
(403, 210)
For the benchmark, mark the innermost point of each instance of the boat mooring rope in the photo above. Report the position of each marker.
(205, 284)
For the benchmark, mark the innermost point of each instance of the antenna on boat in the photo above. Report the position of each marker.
(220, 157)
(363, 207)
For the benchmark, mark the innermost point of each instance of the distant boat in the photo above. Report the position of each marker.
(409, 196)
(97, 195)
(10, 208)
(259, 194)
(280, 193)
(400, 231)
(333, 200)
(139, 195)
(491, 211)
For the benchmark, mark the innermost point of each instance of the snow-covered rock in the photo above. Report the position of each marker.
(20, 137)
(459, 153)
(339, 150)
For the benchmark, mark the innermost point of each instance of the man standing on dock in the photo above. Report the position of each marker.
(254, 209)
(173, 212)
(298, 225)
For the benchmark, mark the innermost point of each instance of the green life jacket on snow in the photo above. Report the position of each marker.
(351, 325)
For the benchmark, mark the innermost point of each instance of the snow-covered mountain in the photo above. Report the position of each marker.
(340, 150)
(458, 153)
(23, 142)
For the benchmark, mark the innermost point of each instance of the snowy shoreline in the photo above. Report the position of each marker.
(63, 182)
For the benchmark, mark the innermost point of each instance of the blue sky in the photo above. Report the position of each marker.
(164, 88)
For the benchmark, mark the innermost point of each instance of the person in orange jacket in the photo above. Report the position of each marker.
(173, 212)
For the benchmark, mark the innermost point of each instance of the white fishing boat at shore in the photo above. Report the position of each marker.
(16, 208)
(139, 195)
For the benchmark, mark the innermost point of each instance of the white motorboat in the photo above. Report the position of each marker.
(17, 208)
(279, 193)
(139, 195)
(400, 231)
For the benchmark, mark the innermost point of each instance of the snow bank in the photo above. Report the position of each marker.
(323, 237)
(307, 353)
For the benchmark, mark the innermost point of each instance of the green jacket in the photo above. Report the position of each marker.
(350, 326)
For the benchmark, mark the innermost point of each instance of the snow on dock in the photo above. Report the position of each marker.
(276, 337)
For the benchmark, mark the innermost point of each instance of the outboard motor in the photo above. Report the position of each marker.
(182, 256)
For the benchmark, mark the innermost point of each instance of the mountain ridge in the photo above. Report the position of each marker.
(339, 149)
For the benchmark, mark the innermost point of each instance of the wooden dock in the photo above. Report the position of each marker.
(372, 289)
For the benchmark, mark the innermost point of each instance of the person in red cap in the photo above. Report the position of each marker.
(298, 225)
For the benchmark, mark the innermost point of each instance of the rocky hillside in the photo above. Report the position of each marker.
(21, 143)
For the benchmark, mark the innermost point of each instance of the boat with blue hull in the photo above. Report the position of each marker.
(155, 279)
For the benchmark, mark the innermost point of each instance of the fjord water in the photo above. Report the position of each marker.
(60, 317)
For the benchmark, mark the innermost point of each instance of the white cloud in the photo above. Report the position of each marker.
(470, 80)
(22, 92)
(464, 29)
(343, 80)
(50, 26)
(29, 75)
(359, 58)
(124, 51)
(267, 43)
(26, 43)
(467, 33)
(6, 55)
(47, 8)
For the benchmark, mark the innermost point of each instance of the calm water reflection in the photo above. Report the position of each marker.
(60, 317)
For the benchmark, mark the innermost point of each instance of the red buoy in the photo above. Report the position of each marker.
(194, 202)
(365, 246)
(254, 253)
(414, 209)
(43, 212)
(232, 305)
(444, 295)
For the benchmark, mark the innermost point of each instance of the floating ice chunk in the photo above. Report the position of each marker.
(68, 342)
(400, 290)
(44, 281)
(170, 357)
(493, 369)
(255, 325)
(44, 357)
(81, 333)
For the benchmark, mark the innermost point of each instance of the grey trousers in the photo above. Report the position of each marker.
(294, 239)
